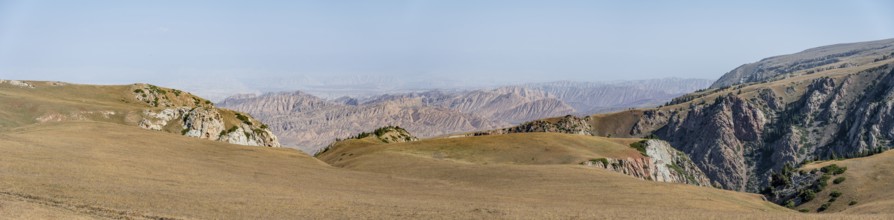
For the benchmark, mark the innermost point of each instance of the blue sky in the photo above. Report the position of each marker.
(155, 41)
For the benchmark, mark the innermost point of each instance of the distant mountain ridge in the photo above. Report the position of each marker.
(809, 61)
(310, 123)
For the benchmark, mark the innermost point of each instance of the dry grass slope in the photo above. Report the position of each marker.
(868, 182)
(102, 167)
(108, 170)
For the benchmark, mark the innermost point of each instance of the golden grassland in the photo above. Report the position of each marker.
(869, 181)
(99, 168)
(107, 170)
(526, 148)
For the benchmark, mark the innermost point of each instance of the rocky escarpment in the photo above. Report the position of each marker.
(740, 140)
(740, 136)
(178, 112)
(662, 163)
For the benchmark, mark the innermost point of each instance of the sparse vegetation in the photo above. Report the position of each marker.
(243, 118)
(807, 195)
(790, 204)
(600, 160)
(824, 207)
(231, 130)
(640, 146)
(835, 194)
(839, 180)
(833, 169)
(852, 203)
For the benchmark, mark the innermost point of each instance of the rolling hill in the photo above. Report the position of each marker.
(143, 105)
(98, 168)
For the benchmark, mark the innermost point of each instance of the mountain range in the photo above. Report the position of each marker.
(310, 123)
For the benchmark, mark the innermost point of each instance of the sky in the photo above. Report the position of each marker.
(119, 42)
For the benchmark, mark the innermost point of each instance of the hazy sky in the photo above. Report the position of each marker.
(154, 41)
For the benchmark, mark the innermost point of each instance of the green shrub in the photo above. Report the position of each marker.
(804, 210)
(852, 203)
(640, 146)
(833, 169)
(807, 195)
(243, 118)
(835, 194)
(839, 180)
(790, 204)
(823, 207)
(232, 129)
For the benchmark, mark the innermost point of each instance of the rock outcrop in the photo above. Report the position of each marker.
(17, 83)
(179, 112)
(662, 163)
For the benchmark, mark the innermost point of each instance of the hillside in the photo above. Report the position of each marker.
(143, 105)
(654, 160)
(99, 168)
(748, 132)
(309, 123)
(809, 61)
(108, 170)
(865, 183)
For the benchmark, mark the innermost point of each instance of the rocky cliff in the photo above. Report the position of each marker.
(662, 163)
(741, 135)
(178, 112)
